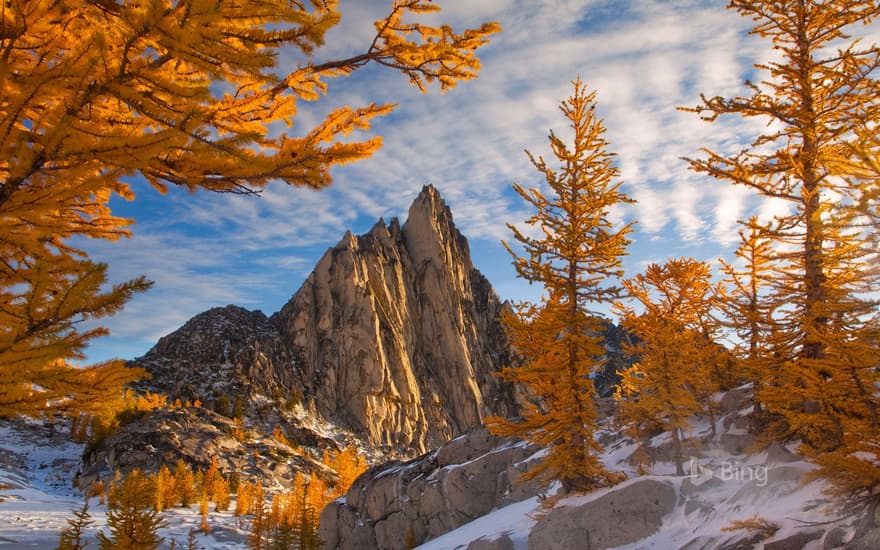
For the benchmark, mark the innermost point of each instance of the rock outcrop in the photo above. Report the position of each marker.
(398, 333)
(225, 351)
(196, 435)
(621, 516)
(394, 336)
(396, 505)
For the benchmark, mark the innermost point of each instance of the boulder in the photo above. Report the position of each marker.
(777, 453)
(621, 516)
(736, 443)
(835, 538)
(501, 543)
(734, 400)
(867, 541)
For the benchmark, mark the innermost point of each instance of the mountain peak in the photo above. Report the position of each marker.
(430, 232)
(399, 334)
(429, 206)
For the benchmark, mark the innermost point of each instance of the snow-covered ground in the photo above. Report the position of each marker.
(38, 465)
(719, 488)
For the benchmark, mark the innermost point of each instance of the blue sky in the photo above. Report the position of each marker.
(644, 57)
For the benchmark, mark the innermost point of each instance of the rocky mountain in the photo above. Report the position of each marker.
(225, 351)
(394, 336)
(398, 333)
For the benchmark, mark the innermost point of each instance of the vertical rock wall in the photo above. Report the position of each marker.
(398, 332)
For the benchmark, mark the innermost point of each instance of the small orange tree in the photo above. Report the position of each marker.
(673, 351)
(131, 519)
(578, 253)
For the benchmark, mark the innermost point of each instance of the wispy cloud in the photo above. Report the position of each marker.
(645, 58)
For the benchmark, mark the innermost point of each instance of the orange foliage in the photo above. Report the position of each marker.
(183, 94)
(576, 258)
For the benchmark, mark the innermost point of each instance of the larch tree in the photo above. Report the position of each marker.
(821, 102)
(750, 306)
(71, 537)
(131, 519)
(820, 99)
(576, 258)
(673, 375)
(181, 93)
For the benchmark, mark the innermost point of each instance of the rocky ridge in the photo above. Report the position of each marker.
(399, 504)
(394, 337)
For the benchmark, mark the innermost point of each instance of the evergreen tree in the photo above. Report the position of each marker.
(750, 306)
(131, 519)
(182, 93)
(184, 484)
(166, 496)
(574, 259)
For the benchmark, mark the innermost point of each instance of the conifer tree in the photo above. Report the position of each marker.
(634, 417)
(261, 523)
(71, 537)
(821, 104)
(204, 508)
(165, 489)
(576, 259)
(221, 495)
(184, 483)
(749, 305)
(671, 347)
(182, 93)
(131, 519)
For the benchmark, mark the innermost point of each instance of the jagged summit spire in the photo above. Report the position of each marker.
(429, 205)
(430, 231)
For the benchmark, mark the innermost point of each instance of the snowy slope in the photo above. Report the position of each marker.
(723, 488)
(38, 464)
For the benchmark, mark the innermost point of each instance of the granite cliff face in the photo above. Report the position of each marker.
(398, 334)
(394, 336)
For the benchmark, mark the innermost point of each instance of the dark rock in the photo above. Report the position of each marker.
(778, 453)
(737, 443)
(226, 352)
(867, 541)
(835, 538)
(195, 435)
(734, 400)
(795, 542)
(501, 543)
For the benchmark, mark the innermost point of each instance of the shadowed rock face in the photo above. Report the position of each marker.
(394, 335)
(225, 351)
(398, 333)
